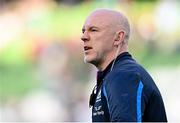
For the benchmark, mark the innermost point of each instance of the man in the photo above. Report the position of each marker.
(124, 91)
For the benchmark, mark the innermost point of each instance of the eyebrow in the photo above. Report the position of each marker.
(83, 29)
(93, 27)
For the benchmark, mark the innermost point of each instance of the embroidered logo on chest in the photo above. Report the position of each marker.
(98, 96)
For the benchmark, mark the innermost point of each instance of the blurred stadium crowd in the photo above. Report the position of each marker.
(42, 73)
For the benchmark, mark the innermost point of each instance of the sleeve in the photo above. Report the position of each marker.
(123, 93)
(155, 110)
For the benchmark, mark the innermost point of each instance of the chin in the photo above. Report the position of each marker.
(91, 60)
(88, 59)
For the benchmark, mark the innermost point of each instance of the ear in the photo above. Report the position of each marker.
(119, 37)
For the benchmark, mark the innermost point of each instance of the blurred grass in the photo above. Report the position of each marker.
(16, 80)
(157, 58)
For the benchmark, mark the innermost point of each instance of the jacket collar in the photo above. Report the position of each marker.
(102, 74)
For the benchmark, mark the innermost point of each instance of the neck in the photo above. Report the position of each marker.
(109, 59)
(104, 64)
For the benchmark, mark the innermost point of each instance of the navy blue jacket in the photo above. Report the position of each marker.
(127, 93)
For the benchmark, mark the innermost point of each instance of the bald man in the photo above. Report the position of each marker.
(124, 90)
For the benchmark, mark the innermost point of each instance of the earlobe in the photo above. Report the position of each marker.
(116, 40)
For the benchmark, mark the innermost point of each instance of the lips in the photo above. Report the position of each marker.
(87, 48)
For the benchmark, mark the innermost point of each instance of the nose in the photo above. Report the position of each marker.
(85, 37)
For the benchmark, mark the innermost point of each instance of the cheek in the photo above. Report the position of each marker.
(102, 43)
(100, 50)
(105, 46)
(98, 47)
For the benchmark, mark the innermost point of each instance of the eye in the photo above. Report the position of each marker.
(83, 30)
(94, 30)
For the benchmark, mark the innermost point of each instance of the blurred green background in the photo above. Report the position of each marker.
(42, 73)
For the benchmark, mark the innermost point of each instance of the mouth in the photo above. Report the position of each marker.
(86, 48)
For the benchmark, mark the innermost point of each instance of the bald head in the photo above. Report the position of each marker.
(112, 18)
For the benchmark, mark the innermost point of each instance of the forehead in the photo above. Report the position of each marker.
(97, 20)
